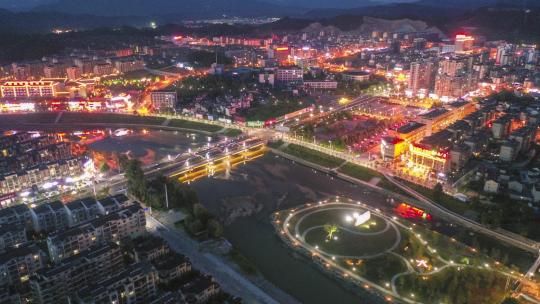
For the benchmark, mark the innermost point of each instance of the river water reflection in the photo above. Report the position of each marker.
(272, 183)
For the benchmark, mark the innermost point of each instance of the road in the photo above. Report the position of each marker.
(183, 161)
(505, 236)
(501, 235)
(511, 239)
(229, 279)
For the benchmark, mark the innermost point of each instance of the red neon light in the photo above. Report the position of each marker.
(270, 122)
(408, 211)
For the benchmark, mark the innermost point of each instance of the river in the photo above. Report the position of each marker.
(274, 183)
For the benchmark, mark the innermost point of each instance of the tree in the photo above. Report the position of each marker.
(195, 226)
(510, 301)
(201, 213)
(104, 167)
(190, 197)
(136, 183)
(330, 230)
(122, 161)
(215, 229)
(437, 191)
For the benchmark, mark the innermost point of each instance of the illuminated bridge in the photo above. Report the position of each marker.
(211, 161)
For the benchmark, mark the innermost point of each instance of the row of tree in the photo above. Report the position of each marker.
(468, 285)
(162, 192)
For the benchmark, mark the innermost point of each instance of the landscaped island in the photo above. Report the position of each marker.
(392, 256)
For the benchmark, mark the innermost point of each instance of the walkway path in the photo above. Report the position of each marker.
(58, 117)
(228, 278)
(514, 240)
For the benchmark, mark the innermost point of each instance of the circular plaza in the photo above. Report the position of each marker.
(340, 230)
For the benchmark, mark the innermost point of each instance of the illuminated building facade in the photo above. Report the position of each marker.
(128, 222)
(123, 53)
(411, 132)
(447, 86)
(441, 118)
(392, 148)
(22, 89)
(455, 78)
(103, 69)
(125, 65)
(281, 54)
(56, 283)
(427, 157)
(321, 85)
(286, 76)
(464, 43)
(163, 100)
(18, 264)
(40, 175)
(73, 72)
(422, 76)
(359, 76)
(54, 71)
(502, 127)
(23, 71)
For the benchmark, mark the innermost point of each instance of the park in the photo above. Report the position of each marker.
(391, 255)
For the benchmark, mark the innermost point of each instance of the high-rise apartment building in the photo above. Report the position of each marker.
(422, 76)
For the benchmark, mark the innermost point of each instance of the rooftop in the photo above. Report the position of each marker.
(392, 140)
(147, 243)
(410, 127)
(129, 272)
(170, 261)
(21, 251)
(439, 140)
(458, 104)
(434, 113)
(198, 285)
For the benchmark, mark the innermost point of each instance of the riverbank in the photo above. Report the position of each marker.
(68, 119)
(363, 178)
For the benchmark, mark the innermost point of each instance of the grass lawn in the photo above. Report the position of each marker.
(366, 174)
(469, 285)
(275, 144)
(445, 200)
(232, 132)
(14, 119)
(268, 111)
(313, 156)
(380, 269)
(245, 265)
(360, 172)
(180, 123)
(356, 171)
(110, 118)
(368, 239)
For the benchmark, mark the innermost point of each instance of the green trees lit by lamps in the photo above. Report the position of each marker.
(330, 231)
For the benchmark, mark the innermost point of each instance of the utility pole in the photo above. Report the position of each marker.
(166, 198)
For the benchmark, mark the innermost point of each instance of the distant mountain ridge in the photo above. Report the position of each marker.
(340, 4)
(504, 20)
(183, 9)
(46, 21)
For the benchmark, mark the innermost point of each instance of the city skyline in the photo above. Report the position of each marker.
(270, 152)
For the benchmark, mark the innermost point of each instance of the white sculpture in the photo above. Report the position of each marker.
(358, 218)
